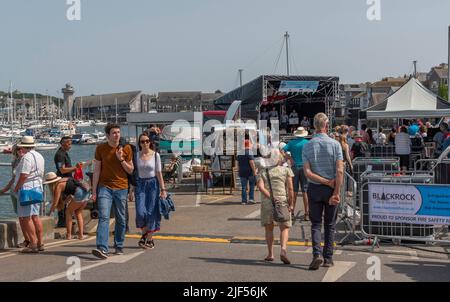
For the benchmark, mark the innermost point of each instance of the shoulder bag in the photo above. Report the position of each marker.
(31, 196)
(280, 211)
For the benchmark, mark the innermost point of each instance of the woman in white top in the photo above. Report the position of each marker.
(403, 147)
(28, 185)
(149, 188)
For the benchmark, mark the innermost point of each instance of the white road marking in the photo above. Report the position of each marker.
(403, 257)
(307, 251)
(198, 200)
(254, 214)
(339, 269)
(114, 259)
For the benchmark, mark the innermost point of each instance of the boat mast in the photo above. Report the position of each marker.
(35, 107)
(116, 111)
(286, 36)
(101, 109)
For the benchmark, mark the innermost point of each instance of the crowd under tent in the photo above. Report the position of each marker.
(308, 95)
(411, 101)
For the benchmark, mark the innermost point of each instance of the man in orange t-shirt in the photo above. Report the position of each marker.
(110, 186)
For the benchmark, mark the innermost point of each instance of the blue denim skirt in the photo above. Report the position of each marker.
(148, 213)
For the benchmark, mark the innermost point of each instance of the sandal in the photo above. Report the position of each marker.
(150, 244)
(284, 259)
(30, 250)
(25, 243)
(142, 242)
(269, 259)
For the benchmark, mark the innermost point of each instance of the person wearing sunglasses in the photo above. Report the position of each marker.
(149, 188)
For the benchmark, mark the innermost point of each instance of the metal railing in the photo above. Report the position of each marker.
(398, 231)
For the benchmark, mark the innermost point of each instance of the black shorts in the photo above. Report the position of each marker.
(404, 160)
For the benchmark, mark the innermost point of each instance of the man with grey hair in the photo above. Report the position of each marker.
(324, 168)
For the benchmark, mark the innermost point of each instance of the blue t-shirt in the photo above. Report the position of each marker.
(296, 148)
(244, 164)
(445, 145)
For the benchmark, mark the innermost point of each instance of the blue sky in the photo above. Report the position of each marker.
(177, 45)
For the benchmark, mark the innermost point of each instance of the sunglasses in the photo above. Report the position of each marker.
(147, 141)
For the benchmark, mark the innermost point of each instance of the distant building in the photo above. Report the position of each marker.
(347, 106)
(378, 91)
(104, 107)
(354, 106)
(186, 101)
(438, 76)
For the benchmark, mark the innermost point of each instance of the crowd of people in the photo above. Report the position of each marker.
(317, 165)
(301, 166)
(287, 121)
(117, 166)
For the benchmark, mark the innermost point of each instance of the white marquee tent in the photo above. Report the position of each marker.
(412, 100)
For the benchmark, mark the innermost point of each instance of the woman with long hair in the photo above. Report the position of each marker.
(149, 188)
(342, 139)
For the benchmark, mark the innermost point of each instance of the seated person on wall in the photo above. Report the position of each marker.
(172, 170)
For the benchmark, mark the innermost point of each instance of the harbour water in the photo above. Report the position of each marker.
(77, 153)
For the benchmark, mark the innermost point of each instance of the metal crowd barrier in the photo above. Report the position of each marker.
(398, 232)
(432, 164)
(442, 172)
(348, 213)
(363, 164)
(382, 151)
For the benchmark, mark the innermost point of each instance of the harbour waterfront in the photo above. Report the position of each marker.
(77, 153)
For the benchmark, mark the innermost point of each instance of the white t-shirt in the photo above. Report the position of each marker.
(32, 164)
(380, 138)
(402, 144)
(148, 168)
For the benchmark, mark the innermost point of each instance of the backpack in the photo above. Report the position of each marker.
(417, 143)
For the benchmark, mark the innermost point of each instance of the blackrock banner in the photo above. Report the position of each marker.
(405, 203)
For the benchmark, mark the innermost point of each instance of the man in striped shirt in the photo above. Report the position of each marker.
(324, 168)
(403, 147)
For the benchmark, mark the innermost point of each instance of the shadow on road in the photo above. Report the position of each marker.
(250, 262)
(422, 271)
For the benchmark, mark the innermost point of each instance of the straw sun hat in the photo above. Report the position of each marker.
(27, 142)
(51, 177)
(301, 132)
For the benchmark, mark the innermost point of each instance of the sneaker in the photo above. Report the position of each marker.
(252, 202)
(41, 248)
(118, 251)
(243, 203)
(328, 262)
(99, 254)
(315, 263)
(150, 244)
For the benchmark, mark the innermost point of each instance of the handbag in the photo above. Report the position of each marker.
(280, 211)
(31, 196)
